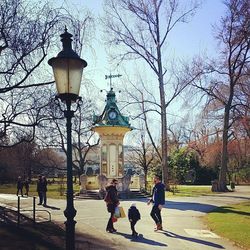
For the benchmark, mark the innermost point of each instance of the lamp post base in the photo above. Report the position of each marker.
(70, 233)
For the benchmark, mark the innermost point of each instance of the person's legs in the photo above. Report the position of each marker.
(132, 224)
(110, 226)
(113, 224)
(40, 198)
(158, 214)
(21, 191)
(153, 214)
(44, 199)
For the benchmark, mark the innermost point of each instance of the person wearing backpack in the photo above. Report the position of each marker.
(112, 201)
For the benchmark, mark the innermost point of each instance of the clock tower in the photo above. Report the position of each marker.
(111, 126)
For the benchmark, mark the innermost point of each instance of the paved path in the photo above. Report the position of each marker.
(182, 220)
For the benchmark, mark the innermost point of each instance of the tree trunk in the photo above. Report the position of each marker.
(222, 184)
(146, 180)
(164, 142)
(160, 75)
(164, 147)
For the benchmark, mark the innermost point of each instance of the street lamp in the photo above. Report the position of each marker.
(67, 68)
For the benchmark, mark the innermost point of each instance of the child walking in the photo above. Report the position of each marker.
(133, 216)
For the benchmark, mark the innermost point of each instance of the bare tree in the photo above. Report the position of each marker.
(28, 31)
(25, 35)
(141, 29)
(142, 154)
(227, 80)
(52, 133)
(17, 160)
(49, 161)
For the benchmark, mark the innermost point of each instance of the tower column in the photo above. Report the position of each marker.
(112, 127)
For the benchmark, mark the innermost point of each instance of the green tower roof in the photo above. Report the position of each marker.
(111, 115)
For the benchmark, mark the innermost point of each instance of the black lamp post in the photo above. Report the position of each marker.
(67, 68)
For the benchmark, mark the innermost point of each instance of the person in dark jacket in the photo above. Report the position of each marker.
(112, 202)
(44, 184)
(158, 200)
(133, 216)
(19, 186)
(27, 187)
(39, 190)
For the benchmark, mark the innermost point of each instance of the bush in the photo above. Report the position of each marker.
(205, 175)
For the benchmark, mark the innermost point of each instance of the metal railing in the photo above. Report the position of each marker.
(33, 210)
(4, 211)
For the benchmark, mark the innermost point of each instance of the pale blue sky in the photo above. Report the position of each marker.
(186, 40)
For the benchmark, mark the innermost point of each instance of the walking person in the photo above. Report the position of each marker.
(112, 202)
(44, 190)
(27, 187)
(133, 216)
(158, 200)
(39, 190)
(19, 186)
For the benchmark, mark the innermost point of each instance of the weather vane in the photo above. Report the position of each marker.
(110, 78)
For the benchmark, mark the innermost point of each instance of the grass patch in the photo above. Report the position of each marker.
(190, 191)
(232, 222)
(55, 190)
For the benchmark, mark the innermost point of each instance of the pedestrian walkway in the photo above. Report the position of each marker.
(182, 220)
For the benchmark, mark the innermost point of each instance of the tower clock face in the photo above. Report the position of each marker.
(112, 114)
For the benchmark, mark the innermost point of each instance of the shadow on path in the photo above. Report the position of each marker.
(141, 239)
(183, 206)
(195, 240)
(51, 207)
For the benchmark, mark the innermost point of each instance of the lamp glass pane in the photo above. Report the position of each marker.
(68, 74)
(75, 75)
(60, 70)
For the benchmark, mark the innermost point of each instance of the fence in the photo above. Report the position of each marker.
(18, 211)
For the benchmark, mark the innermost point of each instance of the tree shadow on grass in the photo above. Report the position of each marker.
(226, 209)
(195, 240)
(141, 239)
(228, 196)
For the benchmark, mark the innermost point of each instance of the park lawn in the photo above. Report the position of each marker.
(232, 222)
(190, 191)
(55, 191)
